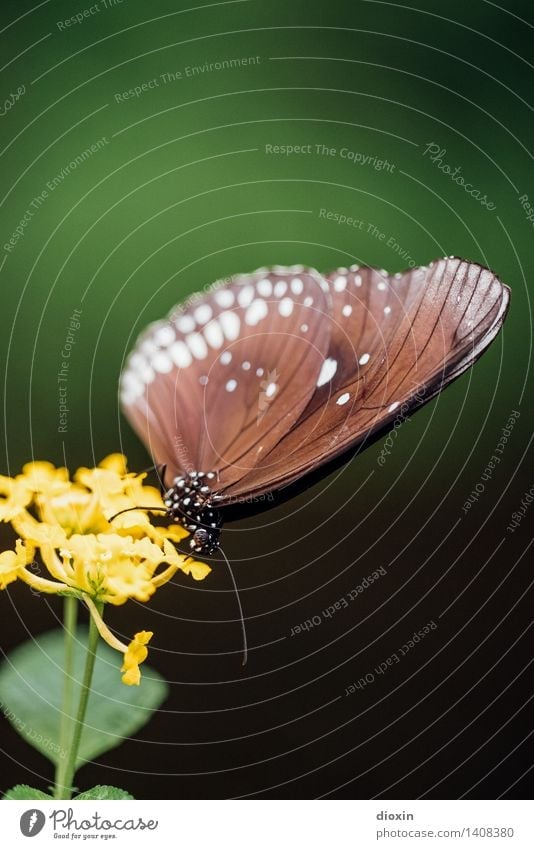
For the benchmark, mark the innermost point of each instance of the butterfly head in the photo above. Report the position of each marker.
(190, 502)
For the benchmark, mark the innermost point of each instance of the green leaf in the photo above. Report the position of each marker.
(23, 791)
(31, 682)
(103, 791)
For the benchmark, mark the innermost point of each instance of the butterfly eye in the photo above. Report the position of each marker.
(265, 382)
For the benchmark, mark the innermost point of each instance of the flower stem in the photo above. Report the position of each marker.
(70, 613)
(70, 768)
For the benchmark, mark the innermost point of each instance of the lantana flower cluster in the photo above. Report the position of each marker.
(88, 550)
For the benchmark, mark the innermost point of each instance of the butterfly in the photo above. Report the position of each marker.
(265, 383)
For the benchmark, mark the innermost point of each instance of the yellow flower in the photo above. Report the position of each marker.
(87, 505)
(88, 550)
(113, 568)
(135, 654)
(12, 562)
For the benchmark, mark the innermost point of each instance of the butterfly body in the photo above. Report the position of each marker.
(266, 383)
(190, 502)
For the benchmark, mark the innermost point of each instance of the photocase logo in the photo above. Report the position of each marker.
(32, 822)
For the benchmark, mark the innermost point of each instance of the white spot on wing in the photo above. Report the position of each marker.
(364, 359)
(347, 310)
(197, 345)
(203, 313)
(256, 311)
(297, 286)
(164, 335)
(148, 347)
(130, 396)
(132, 388)
(213, 333)
(161, 363)
(224, 297)
(280, 288)
(264, 287)
(128, 380)
(136, 361)
(343, 399)
(225, 358)
(271, 390)
(387, 310)
(393, 406)
(285, 307)
(340, 283)
(185, 323)
(147, 374)
(231, 385)
(328, 370)
(180, 354)
(245, 296)
(230, 324)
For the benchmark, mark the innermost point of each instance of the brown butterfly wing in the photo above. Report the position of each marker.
(396, 341)
(218, 384)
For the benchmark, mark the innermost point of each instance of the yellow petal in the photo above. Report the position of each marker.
(143, 495)
(115, 463)
(134, 522)
(13, 563)
(24, 552)
(42, 585)
(196, 569)
(42, 476)
(76, 510)
(41, 533)
(132, 676)
(17, 496)
(135, 654)
(6, 485)
(176, 533)
(9, 568)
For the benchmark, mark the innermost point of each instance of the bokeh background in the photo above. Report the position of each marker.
(181, 190)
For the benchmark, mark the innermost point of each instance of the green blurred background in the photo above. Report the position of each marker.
(183, 190)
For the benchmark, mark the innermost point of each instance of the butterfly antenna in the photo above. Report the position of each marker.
(129, 510)
(243, 627)
(160, 473)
